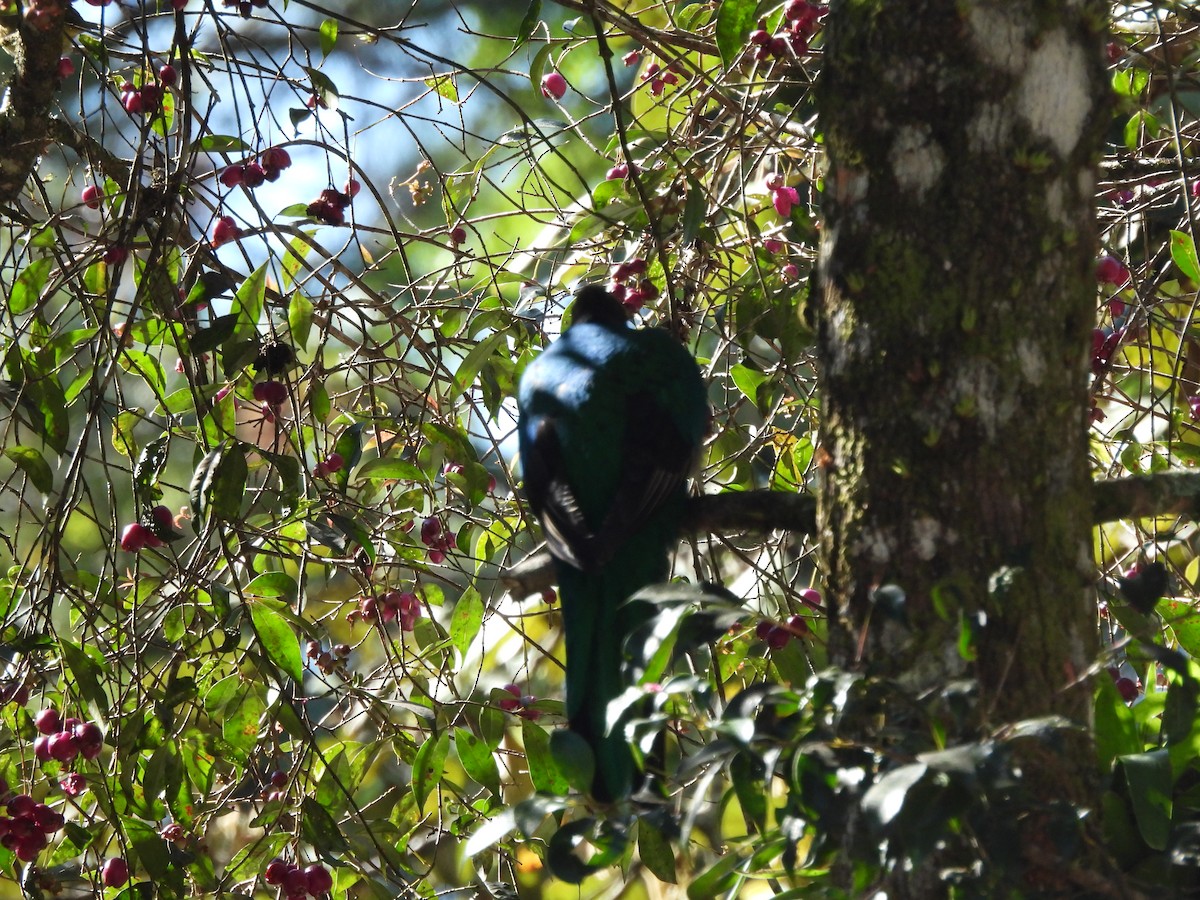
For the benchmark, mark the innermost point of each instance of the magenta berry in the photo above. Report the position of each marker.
(48, 721)
(554, 85)
(92, 196)
(167, 75)
(115, 872)
(317, 879)
(225, 230)
(272, 393)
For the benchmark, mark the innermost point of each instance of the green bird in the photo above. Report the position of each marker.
(611, 423)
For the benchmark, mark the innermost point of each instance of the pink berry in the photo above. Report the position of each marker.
(778, 637)
(352, 188)
(232, 176)
(92, 195)
(132, 102)
(617, 172)
(810, 597)
(136, 536)
(554, 85)
(167, 75)
(334, 462)
(798, 625)
(253, 175)
(631, 58)
(66, 68)
(224, 231)
(790, 272)
(48, 721)
(115, 872)
(73, 784)
(772, 245)
(41, 748)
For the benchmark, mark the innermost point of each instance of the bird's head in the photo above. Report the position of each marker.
(596, 305)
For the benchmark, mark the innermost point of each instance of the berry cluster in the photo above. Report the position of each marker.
(155, 529)
(330, 464)
(518, 703)
(388, 607)
(777, 635)
(435, 537)
(783, 197)
(1106, 340)
(789, 271)
(296, 882)
(65, 739)
(268, 167)
(27, 828)
(623, 287)
(329, 662)
(803, 20)
(658, 77)
(147, 99)
(330, 207)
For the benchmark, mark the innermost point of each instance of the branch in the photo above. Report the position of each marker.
(1138, 497)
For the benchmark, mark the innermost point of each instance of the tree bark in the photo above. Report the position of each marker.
(954, 318)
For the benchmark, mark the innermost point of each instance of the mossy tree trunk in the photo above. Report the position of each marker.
(954, 324)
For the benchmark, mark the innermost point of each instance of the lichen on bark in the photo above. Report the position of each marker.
(953, 325)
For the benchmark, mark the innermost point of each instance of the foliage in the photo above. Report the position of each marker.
(307, 361)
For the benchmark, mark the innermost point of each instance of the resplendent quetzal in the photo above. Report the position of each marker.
(611, 422)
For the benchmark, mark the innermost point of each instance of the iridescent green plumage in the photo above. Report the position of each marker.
(612, 419)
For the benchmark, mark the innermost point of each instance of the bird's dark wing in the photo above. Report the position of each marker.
(567, 532)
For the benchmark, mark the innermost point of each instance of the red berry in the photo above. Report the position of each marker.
(63, 746)
(334, 462)
(232, 176)
(352, 188)
(224, 231)
(253, 175)
(115, 872)
(66, 68)
(92, 195)
(167, 75)
(458, 235)
(48, 721)
(554, 85)
(759, 37)
(810, 597)
(90, 739)
(778, 637)
(132, 102)
(295, 883)
(115, 255)
(1110, 270)
(278, 779)
(798, 624)
(275, 158)
(21, 806)
(41, 748)
(47, 819)
(276, 871)
(136, 537)
(272, 393)
(317, 879)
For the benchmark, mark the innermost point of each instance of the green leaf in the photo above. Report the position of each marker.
(543, 771)
(319, 829)
(349, 445)
(87, 673)
(273, 585)
(477, 760)
(147, 469)
(300, 314)
(717, 880)
(574, 759)
(31, 462)
(278, 640)
(329, 36)
(27, 289)
(749, 382)
(735, 18)
(655, 850)
(213, 335)
(220, 143)
(750, 787)
(444, 85)
(1183, 251)
(467, 618)
(248, 304)
(219, 483)
(388, 469)
(694, 210)
(1148, 776)
(428, 766)
(529, 22)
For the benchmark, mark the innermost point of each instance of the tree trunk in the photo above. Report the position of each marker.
(954, 327)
